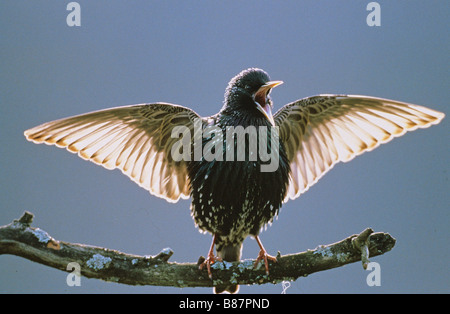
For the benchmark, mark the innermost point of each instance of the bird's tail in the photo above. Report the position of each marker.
(230, 253)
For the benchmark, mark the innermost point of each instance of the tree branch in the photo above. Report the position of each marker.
(19, 238)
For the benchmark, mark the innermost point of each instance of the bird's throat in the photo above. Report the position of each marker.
(266, 110)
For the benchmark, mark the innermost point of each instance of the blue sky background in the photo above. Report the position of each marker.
(185, 52)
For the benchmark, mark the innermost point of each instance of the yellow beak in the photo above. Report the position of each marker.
(260, 99)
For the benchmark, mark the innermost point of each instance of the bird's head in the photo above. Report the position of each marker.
(249, 92)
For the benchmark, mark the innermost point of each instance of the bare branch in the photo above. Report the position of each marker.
(19, 238)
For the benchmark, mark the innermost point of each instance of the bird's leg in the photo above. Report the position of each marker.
(210, 259)
(263, 256)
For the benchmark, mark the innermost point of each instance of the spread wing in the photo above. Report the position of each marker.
(136, 139)
(322, 130)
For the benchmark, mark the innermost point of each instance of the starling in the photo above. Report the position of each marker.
(240, 165)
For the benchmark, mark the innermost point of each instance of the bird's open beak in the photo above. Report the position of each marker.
(261, 100)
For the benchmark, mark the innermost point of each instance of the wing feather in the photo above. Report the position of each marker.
(135, 139)
(320, 131)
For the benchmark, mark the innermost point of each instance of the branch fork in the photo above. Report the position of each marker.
(361, 243)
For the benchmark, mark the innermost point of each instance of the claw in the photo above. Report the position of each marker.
(211, 259)
(263, 256)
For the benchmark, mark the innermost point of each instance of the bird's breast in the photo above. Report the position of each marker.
(231, 193)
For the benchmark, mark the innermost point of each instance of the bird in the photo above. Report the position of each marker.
(221, 161)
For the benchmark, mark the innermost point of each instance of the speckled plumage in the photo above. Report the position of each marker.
(234, 199)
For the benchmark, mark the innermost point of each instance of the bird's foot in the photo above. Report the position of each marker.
(266, 257)
(263, 256)
(211, 259)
